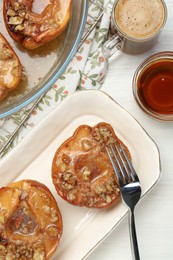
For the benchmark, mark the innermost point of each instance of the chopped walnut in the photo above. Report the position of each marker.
(20, 27)
(67, 175)
(54, 219)
(60, 164)
(52, 231)
(71, 194)
(23, 14)
(109, 187)
(67, 186)
(17, 252)
(66, 159)
(16, 6)
(39, 255)
(86, 173)
(86, 145)
(54, 216)
(46, 209)
(96, 134)
(53, 213)
(100, 189)
(11, 12)
(5, 55)
(15, 20)
(103, 135)
(108, 199)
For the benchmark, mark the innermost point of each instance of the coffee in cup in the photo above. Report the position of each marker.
(138, 23)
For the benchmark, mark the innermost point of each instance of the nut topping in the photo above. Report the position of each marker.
(10, 68)
(11, 12)
(36, 29)
(88, 178)
(52, 231)
(67, 175)
(86, 145)
(86, 173)
(28, 231)
(15, 20)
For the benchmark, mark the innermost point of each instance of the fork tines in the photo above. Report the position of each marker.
(130, 186)
(121, 163)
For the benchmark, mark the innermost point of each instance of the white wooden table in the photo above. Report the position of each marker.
(154, 214)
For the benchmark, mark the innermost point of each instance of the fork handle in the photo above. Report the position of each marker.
(134, 236)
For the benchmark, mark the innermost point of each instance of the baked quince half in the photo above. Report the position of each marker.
(33, 29)
(81, 169)
(10, 68)
(30, 221)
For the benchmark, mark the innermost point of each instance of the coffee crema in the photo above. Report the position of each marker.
(139, 19)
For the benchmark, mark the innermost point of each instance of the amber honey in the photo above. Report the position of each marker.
(155, 86)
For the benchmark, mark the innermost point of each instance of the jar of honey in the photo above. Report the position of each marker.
(153, 86)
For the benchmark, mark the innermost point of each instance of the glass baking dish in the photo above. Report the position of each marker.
(43, 66)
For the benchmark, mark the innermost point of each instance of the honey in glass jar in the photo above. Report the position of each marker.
(153, 85)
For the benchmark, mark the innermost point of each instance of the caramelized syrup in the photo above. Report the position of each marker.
(155, 87)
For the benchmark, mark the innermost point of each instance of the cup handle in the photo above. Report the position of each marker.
(111, 46)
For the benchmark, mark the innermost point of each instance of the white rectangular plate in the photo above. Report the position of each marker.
(83, 228)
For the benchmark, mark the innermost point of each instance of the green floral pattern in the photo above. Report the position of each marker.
(87, 70)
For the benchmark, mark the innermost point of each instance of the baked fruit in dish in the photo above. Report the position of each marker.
(10, 68)
(30, 221)
(33, 29)
(81, 170)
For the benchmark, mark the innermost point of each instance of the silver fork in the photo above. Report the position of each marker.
(129, 186)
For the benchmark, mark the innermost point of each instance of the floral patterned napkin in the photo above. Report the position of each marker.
(86, 70)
